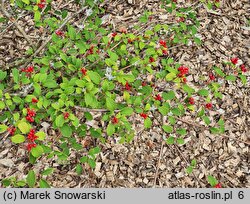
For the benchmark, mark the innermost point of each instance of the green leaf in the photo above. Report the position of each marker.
(180, 141)
(169, 95)
(91, 163)
(188, 89)
(31, 179)
(24, 127)
(37, 151)
(176, 111)
(203, 92)
(94, 151)
(147, 123)
(43, 184)
(219, 71)
(127, 111)
(50, 83)
(37, 16)
(3, 128)
(242, 77)
(41, 135)
(88, 116)
(15, 74)
(212, 181)
(181, 131)
(18, 139)
(189, 169)
(110, 129)
(84, 159)
(47, 171)
(95, 77)
(206, 120)
(170, 140)
(167, 128)
(66, 130)
(59, 121)
(2, 75)
(89, 99)
(110, 103)
(72, 32)
(26, 1)
(2, 105)
(230, 78)
(170, 76)
(79, 169)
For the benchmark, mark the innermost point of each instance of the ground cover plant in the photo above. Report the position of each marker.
(50, 99)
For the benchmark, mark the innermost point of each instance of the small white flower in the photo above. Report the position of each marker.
(221, 111)
(198, 35)
(153, 108)
(108, 70)
(170, 114)
(109, 77)
(89, 12)
(220, 81)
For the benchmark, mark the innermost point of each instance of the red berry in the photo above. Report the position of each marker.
(59, 33)
(31, 136)
(144, 83)
(144, 115)
(31, 113)
(115, 120)
(34, 100)
(130, 40)
(158, 97)
(84, 71)
(234, 60)
(151, 59)
(41, 6)
(65, 115)
(218, 185)
(127, 86)
(114, 34)
(208, 105)
(243, 68)
(11, 130)
(164, 52)
(181, 19)
(211, 77)
(163, 43)
(191, 101)
(30, 146)
(184, 80)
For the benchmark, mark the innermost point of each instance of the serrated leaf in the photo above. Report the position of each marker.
(147, 123)
(79, 169)
(203, 92)
(110, 129)
(41, 135)
(110, 103)
(170, 140)
(212, 181)
(43, 184)
(24, 127)
(66, 130)
(3, 128)
(169, 95)
(37, 151)
(180, 141)
(230, 78)
(31, 179)
(167, 128)
(59, 120)
(95, 77)
(170, 76)
(91, 163)
(17, 139)
(127, 111)
(47, 171)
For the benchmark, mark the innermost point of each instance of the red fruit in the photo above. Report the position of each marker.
(211, 77)
(175, 1)
(181, 19)
(183, 71)
(218, 185)
(41, 6)
(158, 97)
(29, 118)
(115, 120)
(65, 115)
(184, 80)
(31, 113)
(43, 1)
(30, 69)
(11, 130)
(31, 136)
(114, 34)
(59, 33)
(144, 83)
(143, 115)
(151, 59)
(130, 40)
(84, 71)
(30, 146)
(209, 106)
(127, 86)
(34, 100)
(191, 101)
(234, 60)
(164, 52)
(243, 68)
(163, 43)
